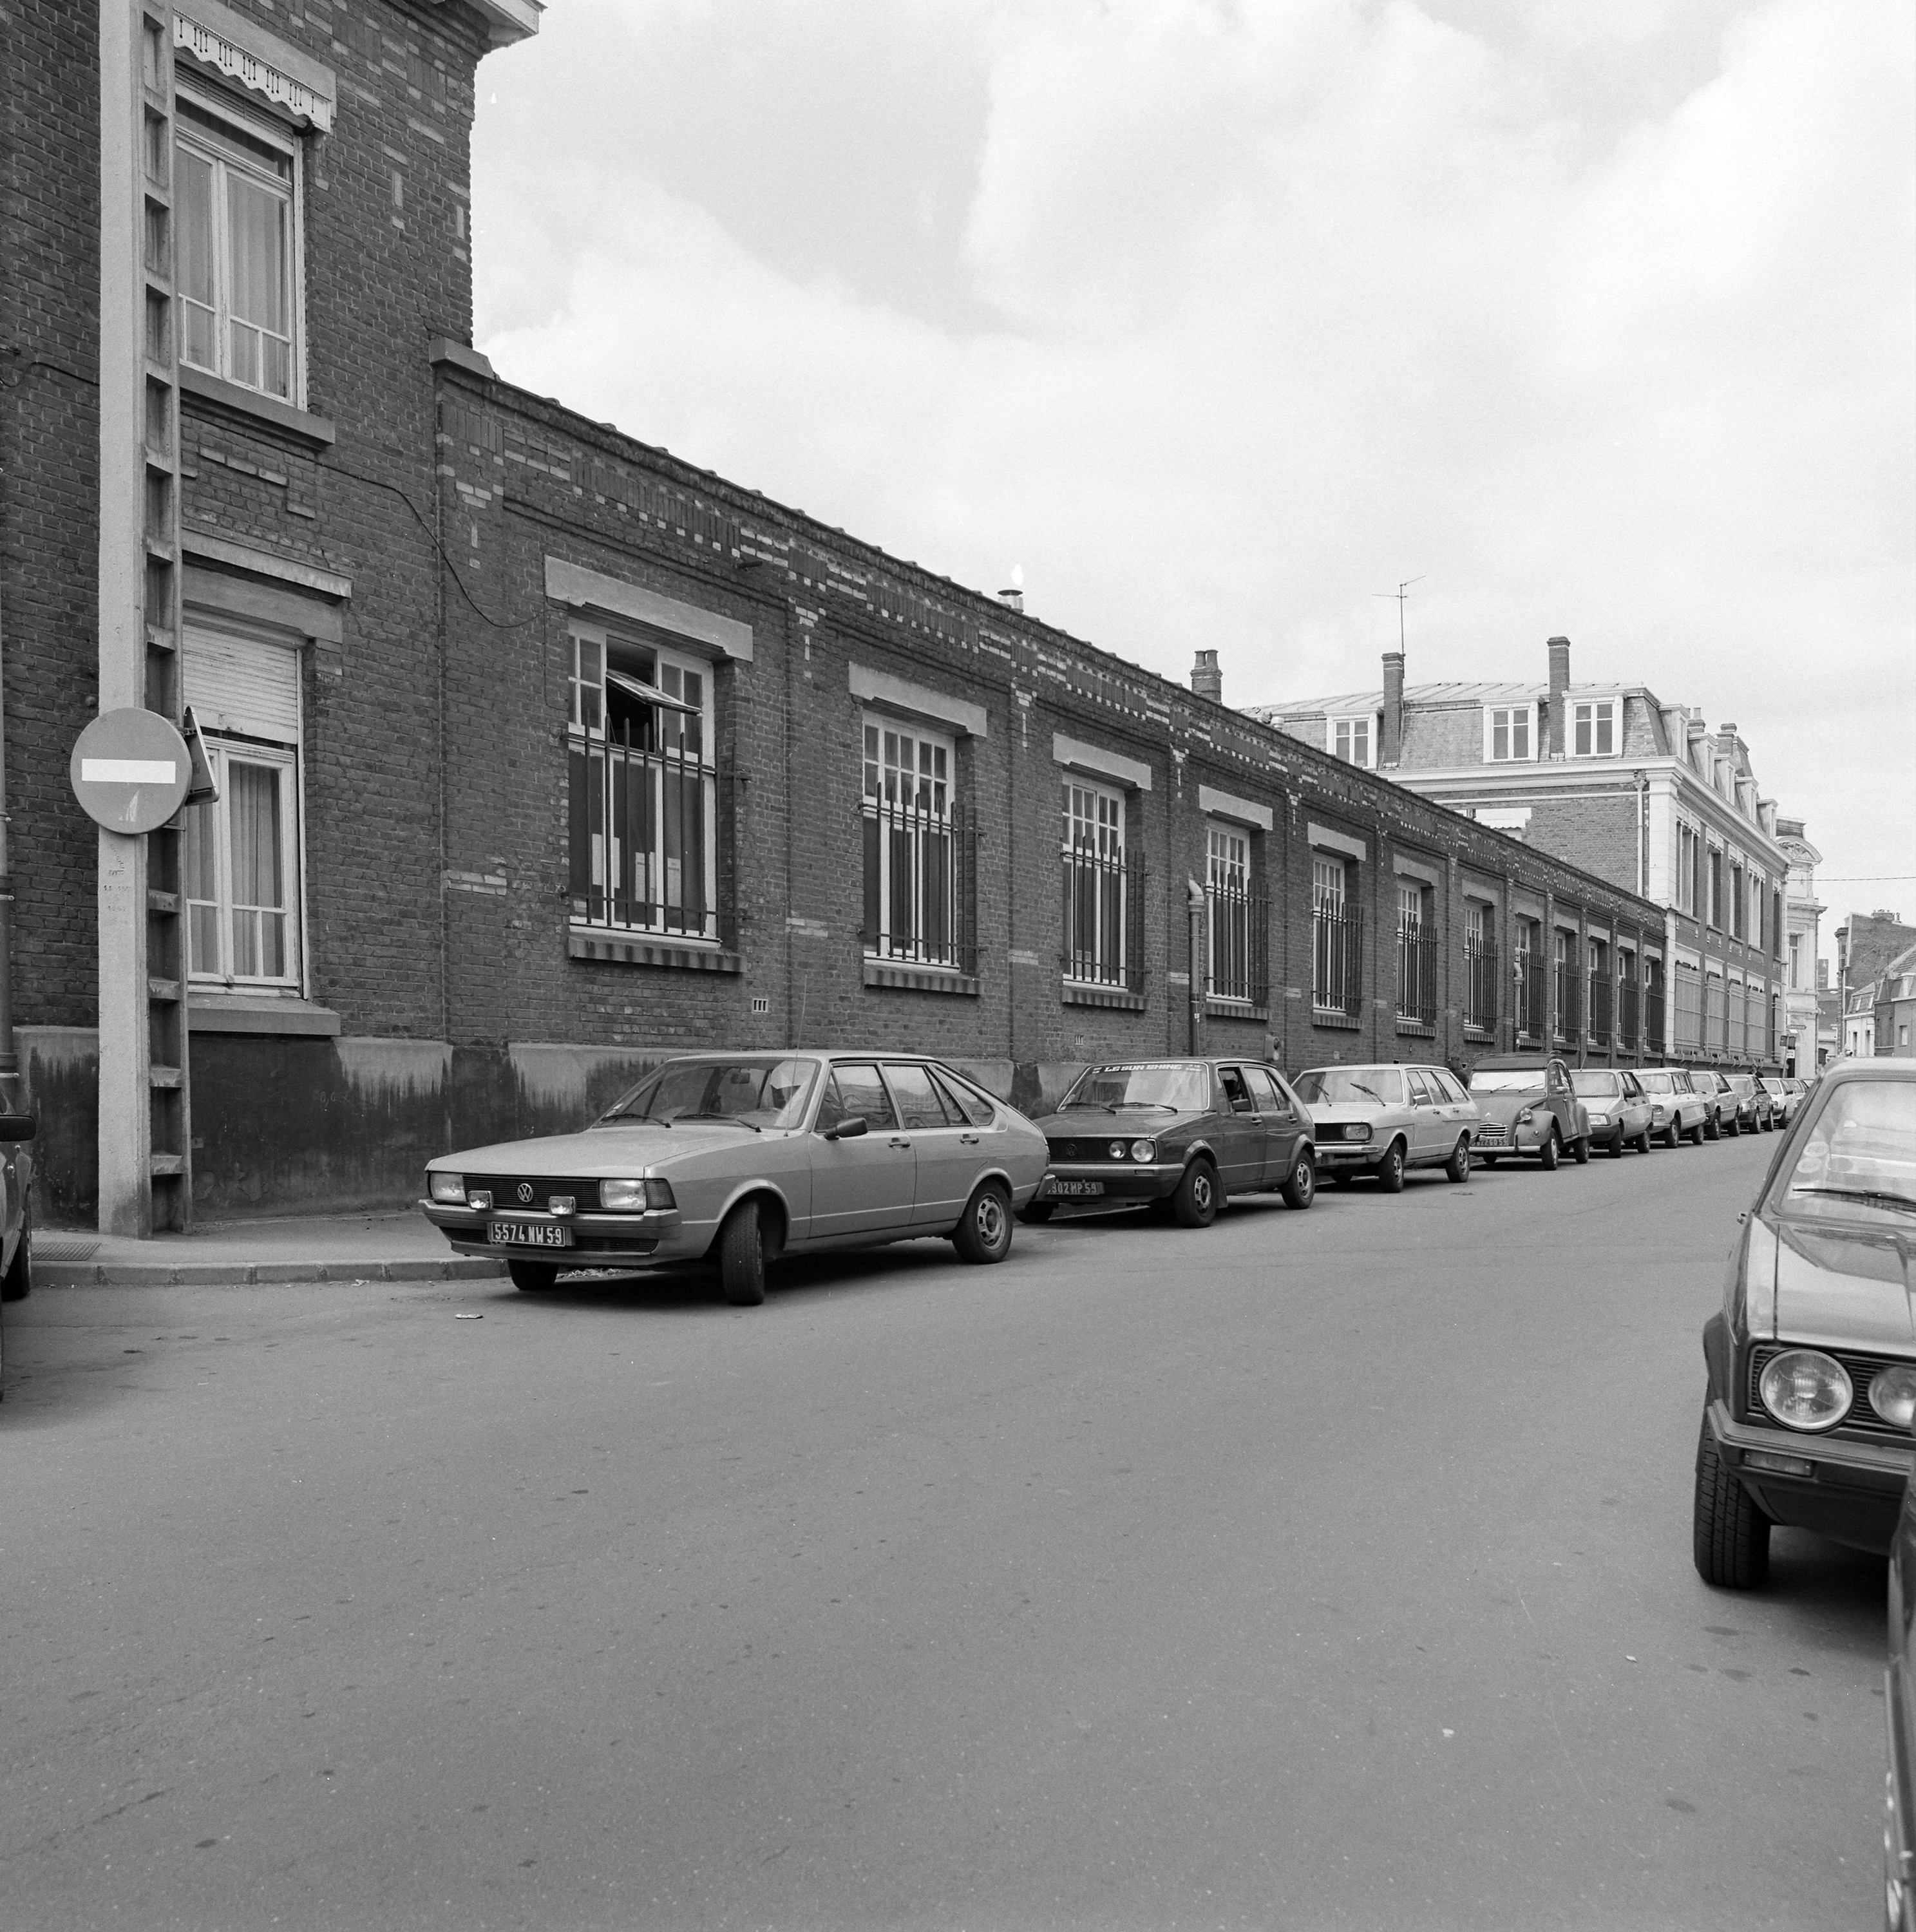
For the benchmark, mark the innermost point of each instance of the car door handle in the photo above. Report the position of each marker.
(968, 1140)
(898, 1140)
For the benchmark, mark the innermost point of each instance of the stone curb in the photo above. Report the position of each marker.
(256, 1274)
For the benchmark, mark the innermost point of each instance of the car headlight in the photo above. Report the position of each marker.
(1143, 1150)
(1115, 1150)
(1804, 1388)
(1525, 1117)
(1359, 1132)
(635, 1197)
(448, 1190)
(1893, 1395)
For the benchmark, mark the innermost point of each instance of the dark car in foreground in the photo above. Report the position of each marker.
(1811, 1359)
(1181, 1135)
(1900, 1701)
(16, 1215)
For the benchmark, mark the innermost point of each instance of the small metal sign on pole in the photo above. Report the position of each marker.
(131, 770)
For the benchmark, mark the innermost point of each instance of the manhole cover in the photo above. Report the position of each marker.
(64, 1247)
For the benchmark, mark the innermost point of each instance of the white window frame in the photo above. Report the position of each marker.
(1689, 842)
(1091, 820)
(1508, 718)
(1228, 875)
(922, 786)
(222, 751)
(588, 734)
(1331, 894)
(227, 158)
(1356, 730)
(1591, 718)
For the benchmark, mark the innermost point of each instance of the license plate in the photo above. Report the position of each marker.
(1076, 1188)
(529, 1234)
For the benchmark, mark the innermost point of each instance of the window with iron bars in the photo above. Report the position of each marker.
(1416, 956)
(1235, 922)
(643, 789)
(1480, 993)
(1629, 1002)
(1689, 1016)
(1600, 993)
(1103, 903)
(1336, 939)
(1567, 1018)
(918, 866)
(1716, 1012)
(1529, 980)
(1655, 1039)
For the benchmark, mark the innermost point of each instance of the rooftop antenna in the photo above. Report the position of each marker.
(1403, 594)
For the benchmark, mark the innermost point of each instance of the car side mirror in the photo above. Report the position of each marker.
(848, 1129)
(18, 1126)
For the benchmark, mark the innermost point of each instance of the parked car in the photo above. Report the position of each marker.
(1182, 1134)
(1529, 1107)
(1753, 1114)
(1811, 1359)
(740, 1157)
(1899, 1698)
(1619, 1112)
(15, 1210)
(1382, 1119)
(1680, 1110)
(1783, 1103)
(1719, 1098)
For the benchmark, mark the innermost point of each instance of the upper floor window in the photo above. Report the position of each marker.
(909, 813)
(1098, 894)
(236, 192)
(1716, 893)
(643, 818)
(1509, 732)
(1796, 962)
(1593, 728)
(240, 861)
(1686, 845)
(1737, 902)
(1354, 740)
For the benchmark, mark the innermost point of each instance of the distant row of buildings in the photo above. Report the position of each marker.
(1873, 1008)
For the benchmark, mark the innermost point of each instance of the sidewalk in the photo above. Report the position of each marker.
(400, 1247)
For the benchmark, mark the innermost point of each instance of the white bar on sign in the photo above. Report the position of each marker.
(128, 771)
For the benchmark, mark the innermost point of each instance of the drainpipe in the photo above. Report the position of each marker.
(1194, 908)
(1643, 835)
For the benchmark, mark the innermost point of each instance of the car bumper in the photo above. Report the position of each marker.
(597, 1240)
(1848, 1490)
(1334, 1154)
(1139, 1180)
(1493, 1137)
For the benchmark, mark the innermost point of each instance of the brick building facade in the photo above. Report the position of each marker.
(545, 753)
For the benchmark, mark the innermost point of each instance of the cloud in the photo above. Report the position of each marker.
(1221, 318)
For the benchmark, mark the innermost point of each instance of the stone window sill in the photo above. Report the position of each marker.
(1080, 993)
(636, 949)
(1419, 1029)
(920, 979)
(244, 1013)
(1336, 1018)
(302, 425)
(1235, 1009)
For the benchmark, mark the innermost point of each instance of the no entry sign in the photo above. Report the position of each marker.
(131, 770)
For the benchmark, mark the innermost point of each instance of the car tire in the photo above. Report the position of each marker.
(1550, 1153)
(1301, 1189)
(16, 1284)
(1342, 1177)
(1488, 1160)
(1195, 1203)
(1458, 1167)
(1390, 1168)
(1673, 1136)
(1035, 1213)
(983, 1234)
(532, 1277)
(1713, 1129)
(1643, 1141)
(1730, 1534)
(742, 1256)
(1616, 1144)
(1733, 1128)
(1580, 1149)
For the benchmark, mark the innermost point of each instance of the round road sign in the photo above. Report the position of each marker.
(130, 769)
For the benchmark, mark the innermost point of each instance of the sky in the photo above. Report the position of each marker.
(1217, 318)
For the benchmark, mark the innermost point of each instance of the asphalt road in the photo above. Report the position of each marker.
(1319, 1570)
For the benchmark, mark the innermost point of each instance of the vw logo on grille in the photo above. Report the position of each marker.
(525, 1190)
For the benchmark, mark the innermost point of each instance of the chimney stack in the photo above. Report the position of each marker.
(1559, 687)
(1012, 600)
(1391, 740)
(1206, 680)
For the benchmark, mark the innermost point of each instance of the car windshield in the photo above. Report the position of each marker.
(1351, 1086)
(1175, 1084)
(769, 1091)
(1656, 1083)
(1740, 1083)
(1591, 1083)
(1858, 1156)
(1506, 1079)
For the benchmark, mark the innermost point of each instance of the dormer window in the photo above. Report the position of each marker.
(1593, 733)
(1510, 733)
(1354, 740)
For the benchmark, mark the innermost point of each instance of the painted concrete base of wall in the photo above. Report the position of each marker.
(286, 1125)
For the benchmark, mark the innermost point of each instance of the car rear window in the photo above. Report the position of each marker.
(966, 1104)
(1591, 1083)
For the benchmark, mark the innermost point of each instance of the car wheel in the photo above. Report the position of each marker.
(1458, 1167)
(16, 1284)
(983, 1233)
(1195, 1203)
(1390, 1168)
(1035, 1213)
(1301, 1189)
(1713, 1129)
(742, 1256)
(531, 1277)
(1580, 1149)
(1342, 1177)
(1643, 1141)
(1673, 1136)
(1730, 1534)
(1488, 1160)
(1616, 1144)
(1733, 1127)
(1550, 1153)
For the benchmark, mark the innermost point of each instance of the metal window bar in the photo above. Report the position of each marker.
(1656, 1040)
(1568, 1017)
(1602, 1007)
(1103, 910)
(920, 874)
(1417, 975)
(1629, 1011)
(1337, 959)
(642, 827)
(1481, 986)
(1532, 990)
(1238, 928)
